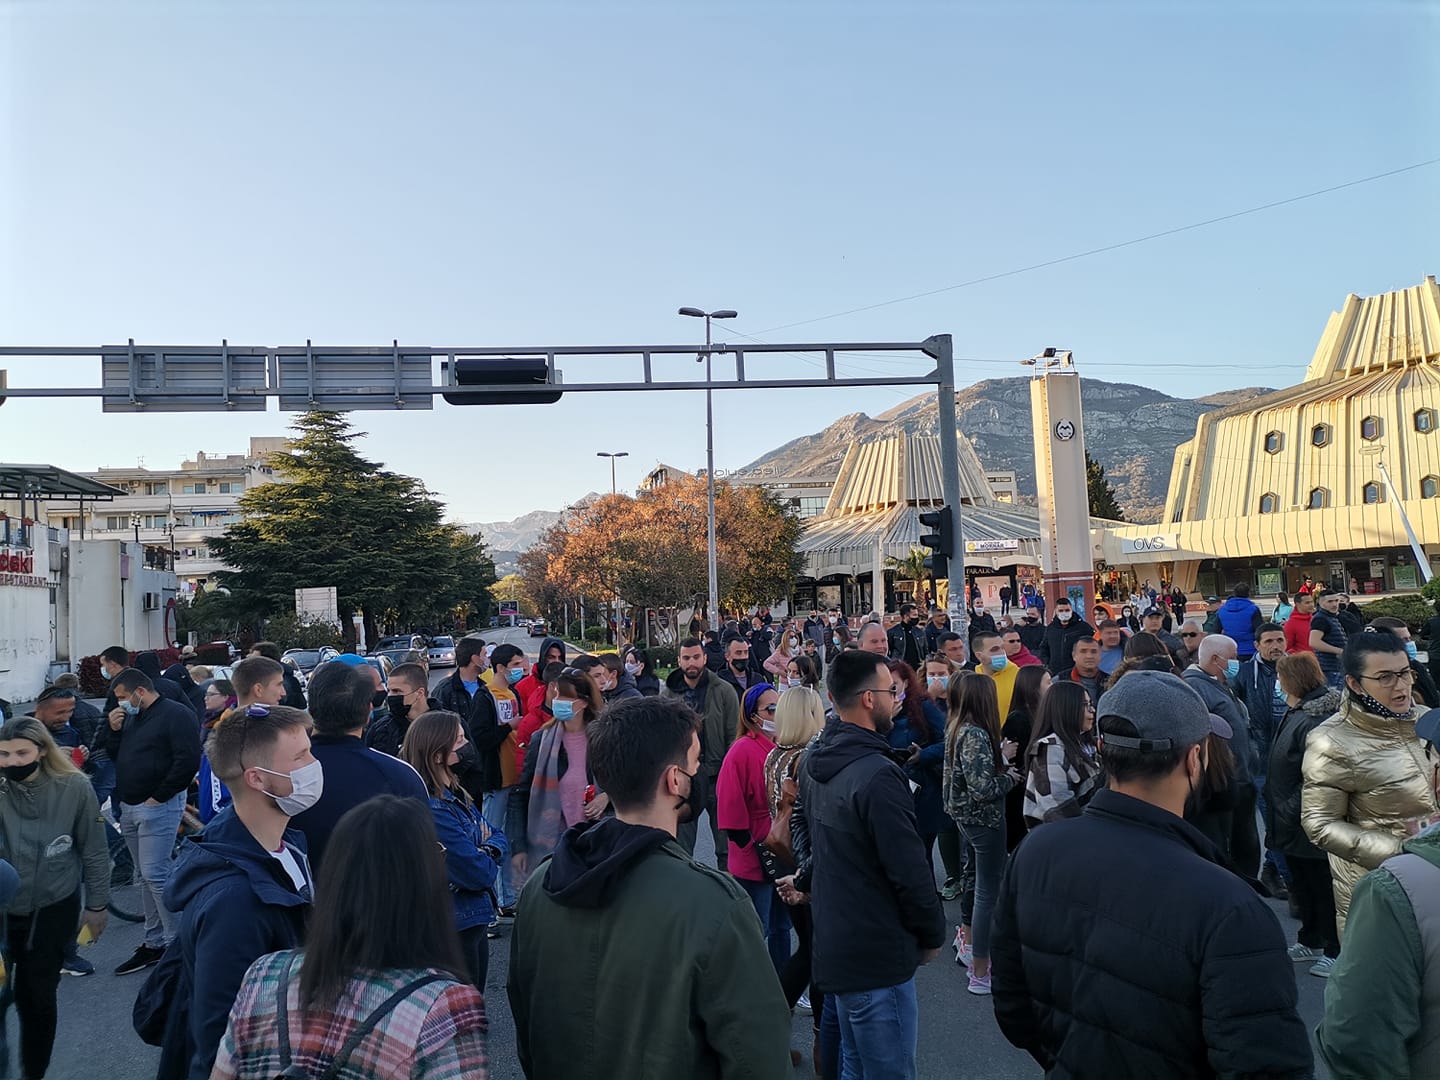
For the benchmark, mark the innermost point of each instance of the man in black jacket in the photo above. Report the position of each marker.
(155, 744)
(876, 913)
(116, 659)
(905, 639)
(1122, 944)
(465, 693)
(1066, 628)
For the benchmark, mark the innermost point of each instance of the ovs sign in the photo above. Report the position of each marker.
(1142, 545)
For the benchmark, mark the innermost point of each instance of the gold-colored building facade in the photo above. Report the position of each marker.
(1291, 483)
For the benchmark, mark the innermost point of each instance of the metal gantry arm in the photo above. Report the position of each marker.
(229, 378)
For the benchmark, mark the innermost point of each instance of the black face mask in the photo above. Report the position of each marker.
(21, 772)
(378, 698)
(691, 805)
(398, 706)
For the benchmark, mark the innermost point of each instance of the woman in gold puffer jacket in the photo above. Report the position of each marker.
(1368, 777)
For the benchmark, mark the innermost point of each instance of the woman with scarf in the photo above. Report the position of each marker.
(51, 832)
(473, 851)
(556, 789)
(743, 812)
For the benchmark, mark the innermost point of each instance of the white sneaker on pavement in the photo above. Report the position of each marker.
(803, 1005)
(1301, 953)
(1323, 967)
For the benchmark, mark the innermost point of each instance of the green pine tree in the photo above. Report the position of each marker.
(1103, 503)
(334, 518)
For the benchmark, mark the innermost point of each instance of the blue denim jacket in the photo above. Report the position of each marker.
(473, 870)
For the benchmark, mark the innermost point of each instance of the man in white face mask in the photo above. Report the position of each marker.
(241, 888)
(1067, 627)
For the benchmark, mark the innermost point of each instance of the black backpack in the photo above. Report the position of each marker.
(291, 1071)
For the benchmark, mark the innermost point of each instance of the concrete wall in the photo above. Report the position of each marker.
(107, 586)
(25, 627)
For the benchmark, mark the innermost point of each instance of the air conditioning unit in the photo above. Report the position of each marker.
(152, 601)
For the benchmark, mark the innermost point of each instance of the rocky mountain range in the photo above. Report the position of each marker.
(1132, 431)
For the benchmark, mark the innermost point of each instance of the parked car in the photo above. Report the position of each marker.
(382, 663)
(442, 651)
(539, 629)
(398, 641)
(307, 660)
(394, 657)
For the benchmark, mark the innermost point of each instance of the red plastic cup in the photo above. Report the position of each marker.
(77, 755)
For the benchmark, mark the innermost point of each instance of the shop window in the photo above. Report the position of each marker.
(1370, 428)
(1320, 435)
(1429, 487)
(1268, 503)
(1424, 420)
(1372, 493)
(1319, 498)
(1274, 442)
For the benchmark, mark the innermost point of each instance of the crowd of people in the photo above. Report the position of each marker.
(1111, 804)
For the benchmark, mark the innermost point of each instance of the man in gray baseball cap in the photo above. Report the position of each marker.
(1123, 943)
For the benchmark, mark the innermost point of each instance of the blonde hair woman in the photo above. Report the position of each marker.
(799, 716)
(51, 832)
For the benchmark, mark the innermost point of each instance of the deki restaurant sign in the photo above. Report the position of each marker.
(17, 569)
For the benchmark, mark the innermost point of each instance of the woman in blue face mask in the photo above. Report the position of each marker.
(556, 788)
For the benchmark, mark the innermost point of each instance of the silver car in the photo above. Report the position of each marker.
(442, 651)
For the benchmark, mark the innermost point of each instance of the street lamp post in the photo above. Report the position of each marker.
(696, 313)
(619, 628)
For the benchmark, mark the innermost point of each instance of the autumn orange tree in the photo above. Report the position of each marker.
(651, 548)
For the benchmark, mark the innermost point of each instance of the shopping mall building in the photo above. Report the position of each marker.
(1318, 479)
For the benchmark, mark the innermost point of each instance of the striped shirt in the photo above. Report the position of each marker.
(438, 1032)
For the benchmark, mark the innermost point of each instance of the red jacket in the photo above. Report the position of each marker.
(1024, 658)
(1297, 632)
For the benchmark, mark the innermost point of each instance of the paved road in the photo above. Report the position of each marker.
(958, 1036)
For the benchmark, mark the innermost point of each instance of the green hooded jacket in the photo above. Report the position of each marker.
(1382, 1001)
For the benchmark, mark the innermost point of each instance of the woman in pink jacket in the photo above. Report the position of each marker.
(743, 812)
(787, 647)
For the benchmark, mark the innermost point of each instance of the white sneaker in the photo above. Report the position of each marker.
(1323, 967)
(963, 952)
(803, 1005)
(1301, 953)
(979, 985)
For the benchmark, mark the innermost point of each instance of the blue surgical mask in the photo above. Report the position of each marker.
(563, 710)
(1232, 668)
(131, 709)
(835, 641)
(942, 681)
(514, 675)
(998, 662)
(1412, 650)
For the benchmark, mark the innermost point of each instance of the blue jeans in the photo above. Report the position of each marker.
(774, 919)
(494, 807)
(878, 1030)
(149, 833)
(988, 843)
(829, 1040)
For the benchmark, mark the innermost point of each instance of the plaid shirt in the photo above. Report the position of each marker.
(438, 1032)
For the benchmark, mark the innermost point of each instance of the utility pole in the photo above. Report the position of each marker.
(714, 598)
(944, 354)
(619, 621)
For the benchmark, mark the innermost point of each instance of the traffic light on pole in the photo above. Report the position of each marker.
(940, 539)
(482, 372)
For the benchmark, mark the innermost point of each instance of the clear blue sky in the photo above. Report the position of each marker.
(521, 174)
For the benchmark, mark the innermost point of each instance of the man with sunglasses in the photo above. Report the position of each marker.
(877, 915)
(1191, 634)
(1369, 778)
